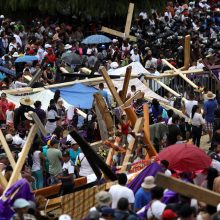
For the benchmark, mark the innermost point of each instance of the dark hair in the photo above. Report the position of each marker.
(170, 113)
(175, 118)
(212, 174)
(101, 85)
(56, 95)
(133, 87)
(156, 104)
(58, 130)
(123, 204)
(37, 104)
(122, 179)
(165, 163)
(194, 109)
(52, 106)
(186, 211)
(157, 192)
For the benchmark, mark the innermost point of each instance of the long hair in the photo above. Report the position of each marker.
(194, 109)
(212, 174)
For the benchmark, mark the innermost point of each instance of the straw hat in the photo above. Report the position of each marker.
(26, 101)
(28, 115)
(210, 95)
(15, 54)
(148, 182)
(103, 198)
(67, 47)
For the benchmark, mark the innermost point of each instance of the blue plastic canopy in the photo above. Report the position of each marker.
(78, 95)
(25, 59)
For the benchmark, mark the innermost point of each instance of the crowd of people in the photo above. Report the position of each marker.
(57, 158)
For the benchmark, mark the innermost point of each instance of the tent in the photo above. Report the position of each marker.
(137, 70)
(78, 95)
(140, 86)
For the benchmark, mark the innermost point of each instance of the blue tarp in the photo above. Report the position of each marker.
(78, 95)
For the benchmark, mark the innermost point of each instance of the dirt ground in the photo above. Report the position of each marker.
(203, 144)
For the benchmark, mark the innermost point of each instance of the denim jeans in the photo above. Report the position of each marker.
(39, 179)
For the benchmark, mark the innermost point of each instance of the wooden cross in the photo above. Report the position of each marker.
(179, 72)
(186, 53)
(126, 33)
(21, 160)
(188, 189)
(130, 114)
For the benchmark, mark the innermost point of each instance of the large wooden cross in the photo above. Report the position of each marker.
(130, 114)
(126, 33)
(188, 189)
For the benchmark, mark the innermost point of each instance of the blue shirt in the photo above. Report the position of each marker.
(142, 198)
(104, 94)
(210, 106)
(73, 154)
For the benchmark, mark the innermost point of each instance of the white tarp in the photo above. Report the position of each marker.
(139, 86)
(137, 69)
(44, 96)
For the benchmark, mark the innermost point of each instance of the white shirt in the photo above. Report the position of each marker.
(18, 39)
(156, 209)
(135, 57)
(85, 168)
(189, 105)
(118, 192)
(17, 85)
(36, 161)
(69, 166)
(9, 116)
(52, 114)
(197, 119)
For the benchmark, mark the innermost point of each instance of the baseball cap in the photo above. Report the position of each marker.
(54, 141)
(64, 217)
(8, 137)
(20, 203)
(169, 214)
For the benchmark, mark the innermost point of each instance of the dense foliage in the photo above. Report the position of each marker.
(69, 7)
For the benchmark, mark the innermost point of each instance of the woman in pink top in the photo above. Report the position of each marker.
(3, 108)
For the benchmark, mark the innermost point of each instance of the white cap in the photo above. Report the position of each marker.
(47, 46)
(2, 16)
(218, 207)
(20, 203)
(114, 40)
(64, 217)
(67, 47)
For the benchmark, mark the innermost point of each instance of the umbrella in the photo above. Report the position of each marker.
(25, 59)
(7, 71)
(96, 39)
(185, 157)
(71, 58)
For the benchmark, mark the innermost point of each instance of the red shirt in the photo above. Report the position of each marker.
(4, 108)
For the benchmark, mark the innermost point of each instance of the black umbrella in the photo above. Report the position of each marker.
(71, 58)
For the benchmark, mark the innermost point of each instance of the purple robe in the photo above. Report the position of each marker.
(23, 191)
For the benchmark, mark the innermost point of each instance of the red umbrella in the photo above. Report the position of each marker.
(185, 157)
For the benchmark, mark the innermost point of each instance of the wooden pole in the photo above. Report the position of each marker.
(105, 114)
(151, 150)
(39, 124)
(129, 19)
(167, 88)
(111, 86)
(126, 83)
(22, 157)
(180, 74)
(137, 128)
(3, 181)
(102, 126)
(7, 150)
(137, 95)
(117, 33)
(35, 78)
(186, 53)
(188, 189)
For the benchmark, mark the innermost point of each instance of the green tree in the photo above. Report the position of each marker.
(89, 7)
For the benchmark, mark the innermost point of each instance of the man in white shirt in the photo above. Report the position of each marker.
(188, 105)
(135, 57)
(121, 191)
(68, 174)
